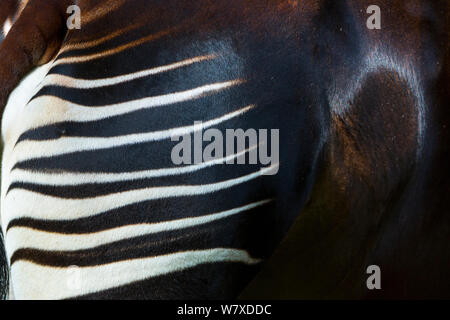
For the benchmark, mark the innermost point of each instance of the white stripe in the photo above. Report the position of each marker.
(23, 237)
(23, 203)
(49, 109)
(30, 149)
(75, 178)
(69, 82)
(113, 51)
(15, 110)
(32, 281)
(86, 44)
(7, 26)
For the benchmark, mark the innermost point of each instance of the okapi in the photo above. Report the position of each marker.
(363, 173)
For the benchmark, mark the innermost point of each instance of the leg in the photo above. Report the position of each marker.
(33, 40)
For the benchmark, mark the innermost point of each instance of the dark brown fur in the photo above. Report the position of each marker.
(379, 197)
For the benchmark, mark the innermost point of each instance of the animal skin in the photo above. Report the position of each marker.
(364, 177)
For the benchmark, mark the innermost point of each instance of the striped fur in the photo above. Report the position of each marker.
(88, 178)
